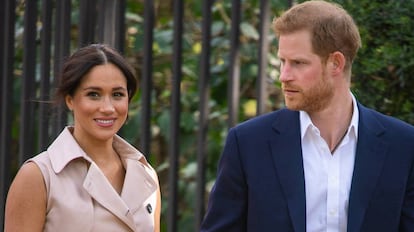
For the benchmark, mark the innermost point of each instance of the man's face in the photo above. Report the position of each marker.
(305, 84)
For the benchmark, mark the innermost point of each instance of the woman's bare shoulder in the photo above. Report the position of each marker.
(26, 200)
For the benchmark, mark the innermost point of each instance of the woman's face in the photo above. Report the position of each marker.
(99, 104)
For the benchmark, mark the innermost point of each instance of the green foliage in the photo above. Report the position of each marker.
(381, 75)
(162, 78)
(384, 68)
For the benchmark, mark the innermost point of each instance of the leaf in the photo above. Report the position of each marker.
(249, 31)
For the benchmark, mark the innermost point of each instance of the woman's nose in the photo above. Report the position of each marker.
(107, 106)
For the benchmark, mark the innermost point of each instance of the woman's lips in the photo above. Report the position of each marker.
(105, 122)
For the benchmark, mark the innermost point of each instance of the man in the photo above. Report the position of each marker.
(326, 163)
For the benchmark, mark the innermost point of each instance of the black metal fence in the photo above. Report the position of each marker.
(104, 21)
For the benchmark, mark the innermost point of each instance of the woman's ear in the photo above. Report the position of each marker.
(69, 102)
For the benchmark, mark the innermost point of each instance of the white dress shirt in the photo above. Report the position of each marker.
(327, 176)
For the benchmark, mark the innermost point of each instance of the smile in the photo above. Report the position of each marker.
(103, 122)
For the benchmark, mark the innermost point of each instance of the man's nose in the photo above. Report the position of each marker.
(285, 73)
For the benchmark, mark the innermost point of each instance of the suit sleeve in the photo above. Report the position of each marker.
(407, 214)
(226, 210)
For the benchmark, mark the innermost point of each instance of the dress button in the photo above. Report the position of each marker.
(149, 208)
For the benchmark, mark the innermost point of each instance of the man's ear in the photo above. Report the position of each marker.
(337, 62)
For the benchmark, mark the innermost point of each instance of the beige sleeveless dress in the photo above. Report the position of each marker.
(80, 198)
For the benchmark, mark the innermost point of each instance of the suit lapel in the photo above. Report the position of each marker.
(369, 159)
(287, 156)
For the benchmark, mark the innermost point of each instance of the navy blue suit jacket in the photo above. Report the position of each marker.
(260, 180)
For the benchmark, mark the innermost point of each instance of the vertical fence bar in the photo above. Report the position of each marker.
(146, 84)
(106, 22)
(6, 67)
(263, 49)
(234, 77)
(104, 13)
(45, 65)
(120, 26)
(204, 93)
(175, 117)
(111, 23)
(26, 148)
(3, 48)
(87, 22)
(62, 47)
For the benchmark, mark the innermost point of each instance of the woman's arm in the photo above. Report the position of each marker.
(26, 201)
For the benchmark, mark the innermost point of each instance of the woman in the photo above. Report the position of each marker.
(89, 179)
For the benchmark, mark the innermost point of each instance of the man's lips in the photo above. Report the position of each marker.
(290, 91)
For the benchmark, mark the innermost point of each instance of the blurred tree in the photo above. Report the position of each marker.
(384, 68)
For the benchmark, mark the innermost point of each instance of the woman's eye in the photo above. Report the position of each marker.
(119, 94)
(93, 95)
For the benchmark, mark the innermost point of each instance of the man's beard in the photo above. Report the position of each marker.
(312, 100)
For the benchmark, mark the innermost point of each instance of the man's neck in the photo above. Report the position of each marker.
(334, 120)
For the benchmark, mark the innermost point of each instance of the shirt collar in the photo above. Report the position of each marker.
(65, 149)
(306, 123)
